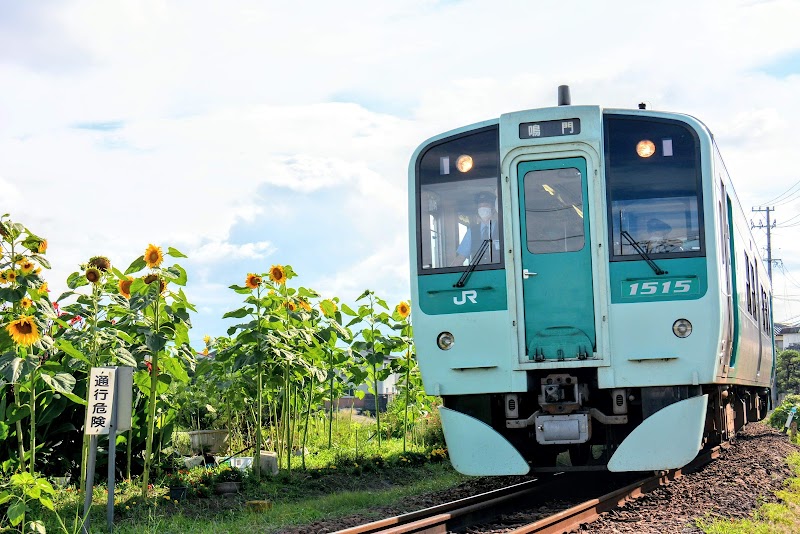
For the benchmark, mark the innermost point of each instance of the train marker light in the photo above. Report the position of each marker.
(645, 148)
(445, 340)
(464, 163)
(682, 328)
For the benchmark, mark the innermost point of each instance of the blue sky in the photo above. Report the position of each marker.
(250, 133)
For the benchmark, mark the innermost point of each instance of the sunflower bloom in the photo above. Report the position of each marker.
(277, 274)
(42, 248)
(23, 331)
(304, 304)
(26, 266)
(328, 307)
(290, 305)
(3, 278)
(206, 339)
(11, 276)
(252, 281)
(153, 256)
(26, 303)
(93, 275)
(125, 287)
(43, 289)
(403, 309)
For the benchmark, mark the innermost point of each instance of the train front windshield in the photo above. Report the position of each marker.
(459, 202)
(653, 183)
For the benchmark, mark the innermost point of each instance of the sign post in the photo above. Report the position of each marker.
(108, 411)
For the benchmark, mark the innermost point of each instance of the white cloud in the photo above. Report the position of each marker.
(233, 136)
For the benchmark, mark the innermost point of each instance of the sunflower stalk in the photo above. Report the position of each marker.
(260, 381)
(151, 407)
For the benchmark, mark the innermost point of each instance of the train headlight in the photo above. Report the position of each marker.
(464, 163)
(445, 340)
(682, 328)
(645, 148)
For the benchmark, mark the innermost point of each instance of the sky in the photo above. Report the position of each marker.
(252, 133)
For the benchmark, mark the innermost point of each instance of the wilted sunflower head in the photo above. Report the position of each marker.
(41, 248)
(26, 303)
(277, 274)
(93, 275)
(252, 281)
(153, 256)
(100, 262)
(23, 331)
(150, 278)
(125, 287)
(403, 309)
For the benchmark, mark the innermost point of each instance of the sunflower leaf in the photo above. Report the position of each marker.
(176, 253)
(137, 265)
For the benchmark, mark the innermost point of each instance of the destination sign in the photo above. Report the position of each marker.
(533, 130)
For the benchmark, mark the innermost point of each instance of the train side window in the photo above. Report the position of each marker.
(654, 195)
(747, 284)
(458, 181)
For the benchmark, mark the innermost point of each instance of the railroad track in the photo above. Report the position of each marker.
(485, 507)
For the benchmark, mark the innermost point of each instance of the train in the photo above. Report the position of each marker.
(586, 291)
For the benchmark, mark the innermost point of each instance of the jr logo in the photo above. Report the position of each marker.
(469, 294)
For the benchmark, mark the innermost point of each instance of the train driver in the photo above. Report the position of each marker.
(485, 226)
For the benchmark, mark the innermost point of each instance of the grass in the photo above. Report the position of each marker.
(297, 499)
(771, 518)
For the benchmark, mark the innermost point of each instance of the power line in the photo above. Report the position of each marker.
(779, 197)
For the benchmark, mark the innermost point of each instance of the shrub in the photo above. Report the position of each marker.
(778, 417)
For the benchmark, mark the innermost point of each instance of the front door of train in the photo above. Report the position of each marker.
(556, 259)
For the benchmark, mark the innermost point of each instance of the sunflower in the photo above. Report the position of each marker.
(150, 278)
(23, 331)
(403, 309)
(290, 305)
(252, 281)
(206, 339)
(43, 289)
(153, 256)
(205, 351)
(93, 275)
(277, 274)
(42, 247)
(125, 287)
(100, 262)
(26, 265)
(3, 278)
(328, 307)
(26, 303)
(304, 304)
(11, 276)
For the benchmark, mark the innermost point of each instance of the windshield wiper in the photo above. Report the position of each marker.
(471, 267)
(646, 257)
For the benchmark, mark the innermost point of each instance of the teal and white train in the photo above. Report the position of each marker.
(586, 291)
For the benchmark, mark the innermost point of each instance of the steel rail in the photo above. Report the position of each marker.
(435, 518)
(440, 519)
(591, 510)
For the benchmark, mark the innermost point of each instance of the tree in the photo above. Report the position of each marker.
(788, 371)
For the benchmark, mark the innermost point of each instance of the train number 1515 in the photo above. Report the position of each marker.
(667, 287)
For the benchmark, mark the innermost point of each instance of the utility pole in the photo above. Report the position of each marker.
(769, 226)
